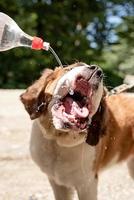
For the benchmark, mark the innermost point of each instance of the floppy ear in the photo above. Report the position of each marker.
(34, 99)
(97, 127)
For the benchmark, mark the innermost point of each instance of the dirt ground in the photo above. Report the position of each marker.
(21, 179)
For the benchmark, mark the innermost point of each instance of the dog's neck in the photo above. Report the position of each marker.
(97, 127)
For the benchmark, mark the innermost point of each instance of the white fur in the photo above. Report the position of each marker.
(66, 167)
(68, 79)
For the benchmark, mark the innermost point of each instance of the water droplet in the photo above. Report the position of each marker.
(105, 147)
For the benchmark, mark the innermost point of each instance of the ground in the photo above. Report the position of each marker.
(21, 179)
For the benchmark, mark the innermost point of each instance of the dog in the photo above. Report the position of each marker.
(78, 129)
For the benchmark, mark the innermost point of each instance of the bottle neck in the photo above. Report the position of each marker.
(26, 40)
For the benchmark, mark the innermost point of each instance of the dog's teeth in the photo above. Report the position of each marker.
(71, 92)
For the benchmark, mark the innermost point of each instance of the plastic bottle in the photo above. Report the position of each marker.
(12, 36)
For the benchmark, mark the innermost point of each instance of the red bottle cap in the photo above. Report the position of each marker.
(37, 43)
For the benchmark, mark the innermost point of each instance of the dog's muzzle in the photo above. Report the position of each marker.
(73, 105)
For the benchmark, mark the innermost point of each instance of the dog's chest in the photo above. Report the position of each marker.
(66, 165)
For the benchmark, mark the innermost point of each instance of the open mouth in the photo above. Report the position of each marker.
(74, 108)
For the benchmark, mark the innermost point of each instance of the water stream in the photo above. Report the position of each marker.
(56, 56)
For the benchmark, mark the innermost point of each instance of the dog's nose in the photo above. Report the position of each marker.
(93, 67)
(99, 73)
(97, 69)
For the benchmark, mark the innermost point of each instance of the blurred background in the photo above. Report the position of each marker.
(92, 31)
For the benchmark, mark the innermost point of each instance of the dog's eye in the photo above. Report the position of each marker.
(69, 69)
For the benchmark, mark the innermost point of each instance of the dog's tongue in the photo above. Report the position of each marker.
(73, 108)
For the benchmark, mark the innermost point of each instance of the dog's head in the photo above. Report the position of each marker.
(65, 101)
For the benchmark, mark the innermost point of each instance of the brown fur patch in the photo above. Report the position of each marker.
(119, 130)
(34, 98)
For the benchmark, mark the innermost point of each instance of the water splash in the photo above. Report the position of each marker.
(56, 56)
